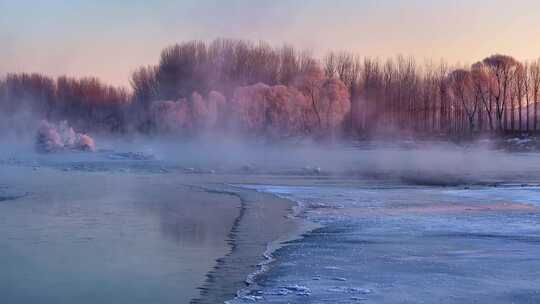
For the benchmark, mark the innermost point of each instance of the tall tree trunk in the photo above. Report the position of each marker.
(520, 112)
(504, 119)
(512, 116)
(528, 114)
(535, 113)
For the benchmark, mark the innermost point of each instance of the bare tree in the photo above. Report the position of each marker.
(461, 87)
(310, 83)
(482, 88)
(330, 65)
(520, 89)
(502, 69)
(534, 74)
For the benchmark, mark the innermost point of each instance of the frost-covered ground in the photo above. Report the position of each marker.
(402, 244)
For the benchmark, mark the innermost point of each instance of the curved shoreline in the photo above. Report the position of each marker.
(205, 290)
(250, 240)
(172, 235)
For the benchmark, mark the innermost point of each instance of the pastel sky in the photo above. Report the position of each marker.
(109, 39)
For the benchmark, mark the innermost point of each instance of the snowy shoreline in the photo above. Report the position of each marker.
(374, 243)
(305, 226)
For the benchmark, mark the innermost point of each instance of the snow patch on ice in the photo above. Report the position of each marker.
(295, 289)
(351, 290)
(131, 156)
(526, 195)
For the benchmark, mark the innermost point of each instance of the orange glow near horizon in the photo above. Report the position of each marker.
(111, 40)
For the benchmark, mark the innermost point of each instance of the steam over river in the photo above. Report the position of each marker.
(133, 228)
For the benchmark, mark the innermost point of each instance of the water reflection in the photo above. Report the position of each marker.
(97, 238)
(190, 216)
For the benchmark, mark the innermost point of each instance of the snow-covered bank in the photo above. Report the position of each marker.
(414, 244)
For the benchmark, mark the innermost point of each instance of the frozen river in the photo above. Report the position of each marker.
(391, 226)
(399, 244)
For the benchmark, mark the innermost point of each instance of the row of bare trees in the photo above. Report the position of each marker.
(497, 94)
(88, 103)
(231, 68)
(281, 90)
(222, 65)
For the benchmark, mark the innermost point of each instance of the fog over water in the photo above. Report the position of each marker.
(126, 209)
(280, 153)
(410, 161)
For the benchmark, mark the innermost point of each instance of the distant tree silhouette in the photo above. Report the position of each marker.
(228, 84)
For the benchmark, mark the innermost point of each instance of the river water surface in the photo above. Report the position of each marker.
(79, 237)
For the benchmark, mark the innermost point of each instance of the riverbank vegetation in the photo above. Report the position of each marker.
(259, 90)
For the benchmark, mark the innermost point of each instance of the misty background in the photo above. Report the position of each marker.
(164, 76)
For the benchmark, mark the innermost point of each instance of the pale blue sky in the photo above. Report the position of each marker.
(109, 39)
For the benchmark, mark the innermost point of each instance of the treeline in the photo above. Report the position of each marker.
(87, 103)
(498, 94)
(258, 89)
(241, 86)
